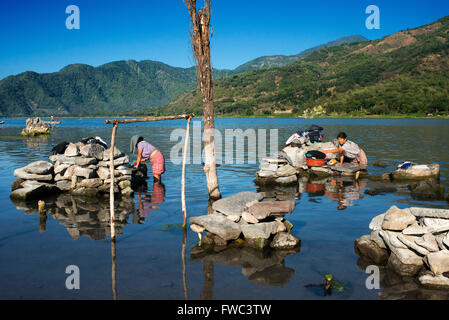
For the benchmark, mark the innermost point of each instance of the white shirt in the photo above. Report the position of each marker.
(351, 149)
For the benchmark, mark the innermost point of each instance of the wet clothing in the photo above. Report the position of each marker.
(147, 148)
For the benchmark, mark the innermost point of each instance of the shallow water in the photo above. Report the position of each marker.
(149, 249)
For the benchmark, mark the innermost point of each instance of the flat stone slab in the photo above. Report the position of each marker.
(437, 281)
(397, 219)
(39, 167)
(219, 225)
(22, 174)
(32, 191)
(429, 212)
(261, 210)
(438, 262)
(236, 204)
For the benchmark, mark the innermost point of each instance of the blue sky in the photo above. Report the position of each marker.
(34, 36)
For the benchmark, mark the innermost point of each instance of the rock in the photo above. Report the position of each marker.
(214, 240)
(446, 241)
(104, 173)
(438, 262)
(117, 162)
(285, 171)
(233, 218)
(82, 161)
(92, 150)
(286, 180)
(382, 177)
(434, 281)
(60, 177)
(364, 247)
(90, 183)
(64, 185)
(196, 228)
(379, 163)
(105, 188)
(391, 240)
(396, 219)
(374, 236)
(33, 191)
(265, 174)
(22, 174)
(117, 154)
(417, 172)
(62, 159)
(415, 229)
(248, 217)
(84, 172)
(219, 225)
(428, 242)
(427, 190)
(39, 167)
(429, 212)
(236, 204)
(321, 171)
(260, 230)
(261, 210)
(85, 192)
(124, 184)
(284, 240)
(380, 190)
(274, 276)
(17, 184)
(376, 222)
(436, 225)
(409, 241)
(60, 169)
(257, 243)
(405, 262)
(34, 126)
(442, 241)
(127, 191)
(71, 150)
(281, 227)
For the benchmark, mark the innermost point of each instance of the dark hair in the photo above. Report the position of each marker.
(342, 135)
(139, 140)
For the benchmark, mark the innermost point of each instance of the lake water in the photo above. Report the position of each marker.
(150, 263)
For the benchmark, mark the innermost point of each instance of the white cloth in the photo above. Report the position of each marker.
(350, 149)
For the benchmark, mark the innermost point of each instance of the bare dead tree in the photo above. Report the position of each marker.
(199, 34)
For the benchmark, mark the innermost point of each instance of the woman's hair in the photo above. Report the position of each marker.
(342, 135)
(139, 140)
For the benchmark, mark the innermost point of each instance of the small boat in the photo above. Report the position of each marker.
(2, 122)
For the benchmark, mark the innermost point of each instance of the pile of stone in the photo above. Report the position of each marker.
(245, 217)
(290, 164)
(83, 169)
(35, 126)
(411, 242)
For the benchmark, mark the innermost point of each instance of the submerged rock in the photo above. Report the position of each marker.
(364, 246)
(427, 190)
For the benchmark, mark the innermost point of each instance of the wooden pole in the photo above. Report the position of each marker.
(183, 116)
(183, 187)
(111, 190)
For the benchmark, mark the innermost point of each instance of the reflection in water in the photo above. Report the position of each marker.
(83, 216)
(264, 268)
(396, 287)
(114, 269)
(345, 191)
(147, 201)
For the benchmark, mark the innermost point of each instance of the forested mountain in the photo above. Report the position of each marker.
(404, 73)
(114, 88)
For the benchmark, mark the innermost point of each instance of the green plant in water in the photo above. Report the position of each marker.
(175, 226)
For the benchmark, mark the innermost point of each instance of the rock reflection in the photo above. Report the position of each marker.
(396, 287)
(82, 216)
(266, 268)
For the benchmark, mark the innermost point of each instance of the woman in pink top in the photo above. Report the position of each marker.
(146, 151)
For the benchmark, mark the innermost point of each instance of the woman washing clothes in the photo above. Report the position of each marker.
(349, 151)
(147, 152)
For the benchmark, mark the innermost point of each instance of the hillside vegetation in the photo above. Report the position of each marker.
(404, 73)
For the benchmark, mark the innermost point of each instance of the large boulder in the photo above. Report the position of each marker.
(236, 204)
(405, 262)
(92, 150)
(367, 248)
(219, 225)
(71, 150)
(397, 220)
(417, 172)
(35, 126)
